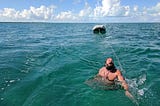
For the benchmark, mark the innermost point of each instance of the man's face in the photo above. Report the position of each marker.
(110, 65)
(109, 62)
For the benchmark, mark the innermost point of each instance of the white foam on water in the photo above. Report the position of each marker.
(11, 81)
(141, 92)
(142, 79)
(140, 89)
(136, 87)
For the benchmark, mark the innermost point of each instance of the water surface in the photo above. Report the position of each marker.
(47, 63)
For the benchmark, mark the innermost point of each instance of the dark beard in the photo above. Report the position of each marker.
(111, 68)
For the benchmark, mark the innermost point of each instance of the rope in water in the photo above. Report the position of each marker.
(114, 53)
(131, 98)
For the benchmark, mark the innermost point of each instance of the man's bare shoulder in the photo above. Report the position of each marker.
(102, 69)
(118, 72)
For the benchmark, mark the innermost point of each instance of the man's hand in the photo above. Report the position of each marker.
(128, 94)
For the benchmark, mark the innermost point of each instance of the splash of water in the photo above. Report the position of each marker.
(136, 87)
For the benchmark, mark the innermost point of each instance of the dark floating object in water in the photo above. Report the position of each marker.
(99, 29)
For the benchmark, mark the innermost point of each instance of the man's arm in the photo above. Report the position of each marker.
(125, 85)
(122, 80)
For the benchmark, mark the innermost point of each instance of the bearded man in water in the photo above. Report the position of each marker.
(110, 73)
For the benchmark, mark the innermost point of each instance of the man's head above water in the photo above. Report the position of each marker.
(110, 65)
(109, 61)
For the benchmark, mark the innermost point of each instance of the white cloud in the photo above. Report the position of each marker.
(111, 8)
(104, 10)
(8, 12)
(144, 14)
(87, 11)
(41, 13)
(135, 8)
(154, 11)
(65, 16)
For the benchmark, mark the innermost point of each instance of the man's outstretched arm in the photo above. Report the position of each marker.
(124, 84)
(122, 80)
(126, 88)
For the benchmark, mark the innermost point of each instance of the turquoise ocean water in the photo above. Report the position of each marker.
(47, 64)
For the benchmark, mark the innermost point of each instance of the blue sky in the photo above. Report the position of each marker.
(80, 10)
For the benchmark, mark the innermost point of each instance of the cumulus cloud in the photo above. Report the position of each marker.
(151, 14)
(8, 12)
(87, 11)
(154, 11)
(65, 16)
(105, 9)
(114, 8)
(135, 8)
(111, 8)
(41, 13)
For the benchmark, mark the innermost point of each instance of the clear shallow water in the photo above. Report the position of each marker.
(47, 64)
